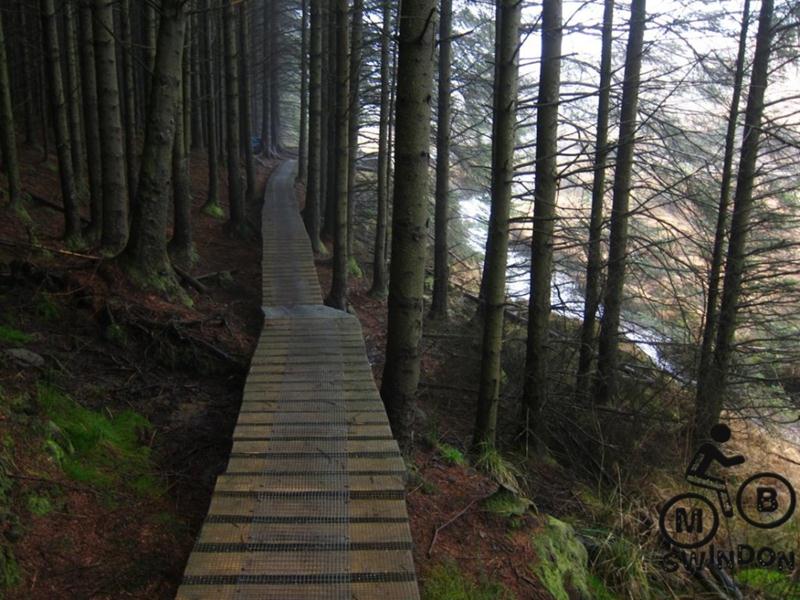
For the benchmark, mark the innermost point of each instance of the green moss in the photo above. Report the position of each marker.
(98, 449)
(13, 336)
(446, 582)
(39, 505)
(353, 268)
(213, 210)
(506, 503)
(562, 565)
(771, 584)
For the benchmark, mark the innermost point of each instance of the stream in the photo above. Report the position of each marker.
(566, 295)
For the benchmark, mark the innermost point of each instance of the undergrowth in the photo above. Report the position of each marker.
(446, 582)
(13, 336)
(103, 450)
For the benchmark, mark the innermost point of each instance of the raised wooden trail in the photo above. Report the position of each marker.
(311, 505)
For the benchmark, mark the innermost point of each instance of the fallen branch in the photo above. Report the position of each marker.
(215, 274)
(11, 244)
(452, 520)
(53, 205)
(190, 280)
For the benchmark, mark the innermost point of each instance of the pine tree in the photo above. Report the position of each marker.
(410, 221)
(380, 275)
(311, 212)
(712, 382)
(145, 257)
(593, 256)
(608, 345)
(441, 250)
(112, 147)
(337, 297)
(8, 141)
(535, 390)
(236, 224)
(69, 193)
(494, 274)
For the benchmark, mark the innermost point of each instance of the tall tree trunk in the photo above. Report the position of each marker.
(237, 223)
(711, 314)
(211, 206)
(380, 275)
(608, 346)
(244, 26)
(410, 224)
(266, 93)
(498, 15)
(90, 121)
(198, 128)
(494, 274)
(129, 97)
(180, 247)
(712, 382)
(115, 191)
(536, 388)
(43, 94)
(337, 297)
(274, 87)
(354, 121)
(28, 74)
(186, 82)
(441, 249)
(302, 145)
(594, 257)
(150, 27)
(311, 209)
(329, 218)
(145, 257)
(69, 194)
(8, 141)
(327, 101)
(73, 87)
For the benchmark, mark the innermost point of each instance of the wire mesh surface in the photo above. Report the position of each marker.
(311, 505)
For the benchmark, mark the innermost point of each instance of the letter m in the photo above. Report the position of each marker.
(683, 523)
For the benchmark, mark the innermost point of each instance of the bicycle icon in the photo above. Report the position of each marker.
(773, 498)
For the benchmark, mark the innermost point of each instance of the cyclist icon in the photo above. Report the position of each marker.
(708, 454)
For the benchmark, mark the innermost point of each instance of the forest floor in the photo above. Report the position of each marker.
(116, 406)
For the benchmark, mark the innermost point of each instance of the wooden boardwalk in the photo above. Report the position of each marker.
(311, 505)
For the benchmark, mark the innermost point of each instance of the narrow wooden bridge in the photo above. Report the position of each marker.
(311, 505)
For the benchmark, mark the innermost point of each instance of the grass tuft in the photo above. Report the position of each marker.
(14, 336)
(451, 454)
(490, 461)
(446, 582)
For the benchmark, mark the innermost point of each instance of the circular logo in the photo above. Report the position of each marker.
(688, 520)
(766, 500)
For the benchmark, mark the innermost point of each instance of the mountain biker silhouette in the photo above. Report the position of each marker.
(706, 455)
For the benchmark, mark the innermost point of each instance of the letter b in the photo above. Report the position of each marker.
(766, 499)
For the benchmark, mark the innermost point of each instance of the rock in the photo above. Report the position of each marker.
(25, 358)
(563, 561)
